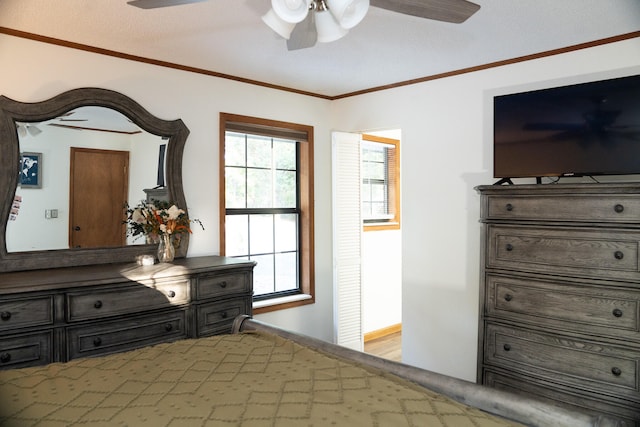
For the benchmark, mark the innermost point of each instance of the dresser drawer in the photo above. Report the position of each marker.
(580, 252)
(222, 284)
(26, 350)
(581, 308)
(589, 403)
(22, 312)
(580, 363)
(129, 298)
(123, 335)
(622, 208)
(216, 318)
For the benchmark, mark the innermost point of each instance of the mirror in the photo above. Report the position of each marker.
(137, 132)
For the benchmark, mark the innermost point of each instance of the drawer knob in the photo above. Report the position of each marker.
(508, 297)
(618, 254)
(618, 208)
(509, 247)
(507, 347)
(97, 342)
(5, 315)
(223, 284)
(5, 357)
(617, 312)
(171, 294)
(509, 207)
(97, 304)
(168, 327)
(224, 315)
(616, 371)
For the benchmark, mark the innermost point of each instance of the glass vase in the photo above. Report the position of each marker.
(166, 251)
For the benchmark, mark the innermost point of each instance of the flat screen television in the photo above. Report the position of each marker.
(584, 129)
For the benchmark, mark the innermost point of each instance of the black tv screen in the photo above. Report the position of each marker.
(578, 130)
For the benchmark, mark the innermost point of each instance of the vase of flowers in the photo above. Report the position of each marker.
(159, 222)
(166, 250)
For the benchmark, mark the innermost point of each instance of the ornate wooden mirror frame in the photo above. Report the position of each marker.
(13, 111)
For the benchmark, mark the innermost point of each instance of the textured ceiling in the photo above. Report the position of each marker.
(228, 37)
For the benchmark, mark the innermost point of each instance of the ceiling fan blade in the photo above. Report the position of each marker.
(304, 34)
(153, 4)
(454, 11)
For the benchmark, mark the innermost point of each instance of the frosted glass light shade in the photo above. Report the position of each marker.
(281, 27)
(328, 28)
(292, 11)
(348, 13)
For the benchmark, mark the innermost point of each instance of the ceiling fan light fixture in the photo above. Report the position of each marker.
(33, 130)
(292, 11)
(348, 13)
(329, 30)
(277, 24)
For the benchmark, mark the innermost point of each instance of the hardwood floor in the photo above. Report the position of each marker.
(388, 346)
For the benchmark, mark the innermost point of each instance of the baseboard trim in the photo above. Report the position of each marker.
(379, 333)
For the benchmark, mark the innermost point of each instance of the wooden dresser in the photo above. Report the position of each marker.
(66, 313)
(560, 294)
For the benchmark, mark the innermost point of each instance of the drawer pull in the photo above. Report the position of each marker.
(171, 294)
(168, 327)
(224, 315)
(223, 284)
(618, 208)
(616, 371)
(618, 254)
(97, 342)
(509, 207)
(5, 315)
(617, 312)
(509, 247)
(508, 297)
(507, 347)
(5, 357)
(97, 304)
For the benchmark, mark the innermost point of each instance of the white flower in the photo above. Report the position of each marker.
(138, 216)
(163, 228)
(174, 212)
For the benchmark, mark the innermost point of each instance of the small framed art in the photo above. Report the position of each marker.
(31, 170)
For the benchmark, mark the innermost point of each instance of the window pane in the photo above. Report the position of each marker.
(286, 232)
(259, 188)
(286, 271)
(284, 154)
(374, 171)
(261, 234)
(237, 235)
(234, 149)
(378, 192)
(234, 179)
(263, 275)
(285, 189)
(258, 151)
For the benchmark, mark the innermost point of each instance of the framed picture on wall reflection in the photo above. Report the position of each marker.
(30, 170)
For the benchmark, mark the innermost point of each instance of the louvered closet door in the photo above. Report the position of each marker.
(347, 240)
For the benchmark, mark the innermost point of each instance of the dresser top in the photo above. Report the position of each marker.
(50, 279)
(631, 188)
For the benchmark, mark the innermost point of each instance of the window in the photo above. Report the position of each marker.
(266, 199)
(380, 183)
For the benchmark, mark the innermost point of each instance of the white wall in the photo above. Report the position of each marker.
(446, 152)
(34, 71)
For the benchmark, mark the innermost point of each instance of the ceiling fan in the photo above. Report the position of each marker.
(305, 22)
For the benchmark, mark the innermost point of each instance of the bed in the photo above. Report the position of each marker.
(259, 375)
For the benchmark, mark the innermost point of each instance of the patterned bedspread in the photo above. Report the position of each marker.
(250, 379)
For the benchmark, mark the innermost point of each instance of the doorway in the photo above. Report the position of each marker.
(99, 186)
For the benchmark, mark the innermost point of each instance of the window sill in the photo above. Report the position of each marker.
(281, 303)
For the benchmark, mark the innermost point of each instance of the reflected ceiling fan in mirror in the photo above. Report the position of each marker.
(304, 22)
